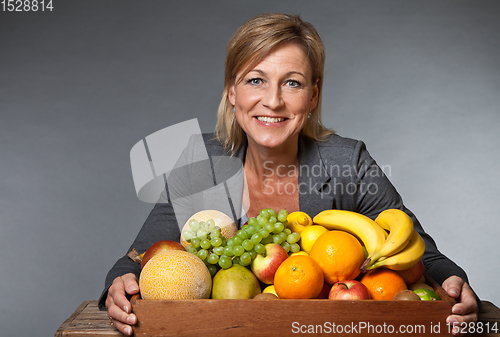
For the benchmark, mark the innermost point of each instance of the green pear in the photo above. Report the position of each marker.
(237, 282)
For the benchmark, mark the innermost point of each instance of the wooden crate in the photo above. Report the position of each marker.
(291, 317)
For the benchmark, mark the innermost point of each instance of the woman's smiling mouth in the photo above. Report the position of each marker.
(270, 119)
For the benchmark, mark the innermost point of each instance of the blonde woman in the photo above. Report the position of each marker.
(270, 118)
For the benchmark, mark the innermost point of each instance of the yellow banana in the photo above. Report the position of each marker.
(400, 227)
(361, 226)
(298, 221)
(406, 258)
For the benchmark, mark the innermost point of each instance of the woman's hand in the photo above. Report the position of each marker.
(465, 311)
(118, 305)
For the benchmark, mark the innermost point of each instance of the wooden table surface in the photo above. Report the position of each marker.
(88, 320)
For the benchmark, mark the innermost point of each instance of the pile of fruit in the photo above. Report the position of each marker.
(217, 251)
(337, 255)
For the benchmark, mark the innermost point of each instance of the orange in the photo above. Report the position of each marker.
(309, 235)
(298, 276)
(339, 254)
(175, 274)
(383, 283)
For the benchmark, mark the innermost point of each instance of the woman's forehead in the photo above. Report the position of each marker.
(287, 57)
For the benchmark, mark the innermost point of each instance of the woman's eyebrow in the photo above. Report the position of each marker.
(263, 73)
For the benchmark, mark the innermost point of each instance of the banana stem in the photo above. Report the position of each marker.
(365, 265)
(369, 262)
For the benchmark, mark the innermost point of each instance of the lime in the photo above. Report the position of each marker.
(427, 294)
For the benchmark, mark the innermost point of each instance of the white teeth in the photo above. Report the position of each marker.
(270, 119)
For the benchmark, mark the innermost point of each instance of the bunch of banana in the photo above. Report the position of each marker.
(400, 249)
(406, 258)
(400, 227)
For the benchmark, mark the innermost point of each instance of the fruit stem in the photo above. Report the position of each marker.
(134, 256)
(365, 264)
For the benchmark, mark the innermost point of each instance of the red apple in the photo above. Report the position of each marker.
(160, 247)
(325, 291)
(412, 274)
(264, 265)
(349, 290)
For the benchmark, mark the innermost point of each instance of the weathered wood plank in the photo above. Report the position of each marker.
(490, 313)
(70, 319)
(87, 320)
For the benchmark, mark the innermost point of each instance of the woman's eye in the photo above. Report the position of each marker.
(293, 83)
(255, 81)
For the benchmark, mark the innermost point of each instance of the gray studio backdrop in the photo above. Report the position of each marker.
(418, 81)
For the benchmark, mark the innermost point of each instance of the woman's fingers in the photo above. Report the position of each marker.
(453, 286)
(118, 305)
(123, 285)
(123, 328)
(460, 290)
(467, 302)
(465, 311)
(459, 324)
(121, 320)
(131, 285)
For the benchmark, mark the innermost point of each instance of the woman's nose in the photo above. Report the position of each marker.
(272, 97)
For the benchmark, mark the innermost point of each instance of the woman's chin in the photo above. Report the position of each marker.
(272, 143)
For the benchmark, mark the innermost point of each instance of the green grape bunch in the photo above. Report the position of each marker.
(207, 242)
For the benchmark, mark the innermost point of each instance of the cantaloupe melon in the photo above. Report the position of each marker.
(175, 274)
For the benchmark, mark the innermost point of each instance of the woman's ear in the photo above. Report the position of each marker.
(315, 95)
(231, 95)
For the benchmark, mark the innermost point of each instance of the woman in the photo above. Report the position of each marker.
(270, 118)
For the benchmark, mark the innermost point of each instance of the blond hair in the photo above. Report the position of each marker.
(248, 46)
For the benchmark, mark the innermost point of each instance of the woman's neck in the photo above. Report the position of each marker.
(267, 162)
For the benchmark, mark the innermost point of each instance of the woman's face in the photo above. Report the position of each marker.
(273, 100)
